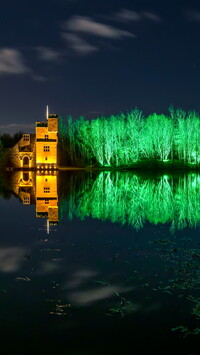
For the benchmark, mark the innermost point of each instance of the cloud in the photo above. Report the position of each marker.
(14, 127)
(40, 78)
(11, 62)
(77, 25)
(126, 15)
(48, 54)
(89, 26)
(152, 16)
(78, 44)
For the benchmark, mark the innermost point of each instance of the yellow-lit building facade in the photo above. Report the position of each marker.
(37, 151)
(22, 155)
(46, 143)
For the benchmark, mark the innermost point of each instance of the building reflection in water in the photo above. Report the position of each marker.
(120, 197)
(39, 188)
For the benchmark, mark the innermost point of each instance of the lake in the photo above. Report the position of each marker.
(100, 262)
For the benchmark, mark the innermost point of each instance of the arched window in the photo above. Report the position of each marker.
(26, 177)
(26, 162)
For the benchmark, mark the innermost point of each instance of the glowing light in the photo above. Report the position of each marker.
(127, 198)
(47, 112)
(126, 139)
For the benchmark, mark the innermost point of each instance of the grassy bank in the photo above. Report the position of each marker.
(154, 165)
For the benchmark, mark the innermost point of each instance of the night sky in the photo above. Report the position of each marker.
(84, 57)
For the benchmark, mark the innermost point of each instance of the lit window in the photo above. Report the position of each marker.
(26, 137)
(46, 190)
(46, 148)
(26, 200)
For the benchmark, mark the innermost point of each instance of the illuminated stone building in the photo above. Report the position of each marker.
(39, 188)
(46, 143)
(23, 154)
(39, 150)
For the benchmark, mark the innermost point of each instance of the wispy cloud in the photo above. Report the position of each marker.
(152, 16)
(78, 28)
(11, 62)
(16, 127)
(92, 27)
(39, 78)
(48, 54)
(78, 44)
(126, 15)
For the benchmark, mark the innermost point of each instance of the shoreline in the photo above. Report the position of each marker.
(142, 166)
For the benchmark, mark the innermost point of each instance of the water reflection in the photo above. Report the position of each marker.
(122, 197)
(133, 199)
(93, 279)
(40, 189)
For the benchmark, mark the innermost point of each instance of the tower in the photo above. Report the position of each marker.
(46, 143)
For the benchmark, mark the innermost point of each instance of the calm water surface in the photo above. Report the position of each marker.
(100, 263)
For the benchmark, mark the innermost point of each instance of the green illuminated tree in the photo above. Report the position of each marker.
(156, 142)
(124, 139)
(134, 126)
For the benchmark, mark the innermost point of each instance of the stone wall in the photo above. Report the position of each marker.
(21, 150)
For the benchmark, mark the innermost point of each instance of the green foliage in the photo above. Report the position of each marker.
(196, 308)
(157, 137)
(185, 331)
(124, 139)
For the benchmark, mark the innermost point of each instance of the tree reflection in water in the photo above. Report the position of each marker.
(126, 197)
(120, 197)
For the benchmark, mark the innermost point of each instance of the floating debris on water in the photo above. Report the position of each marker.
(26, 278)
(60, 309)
(123, 308)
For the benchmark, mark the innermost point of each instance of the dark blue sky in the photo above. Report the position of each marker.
(89, 58)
